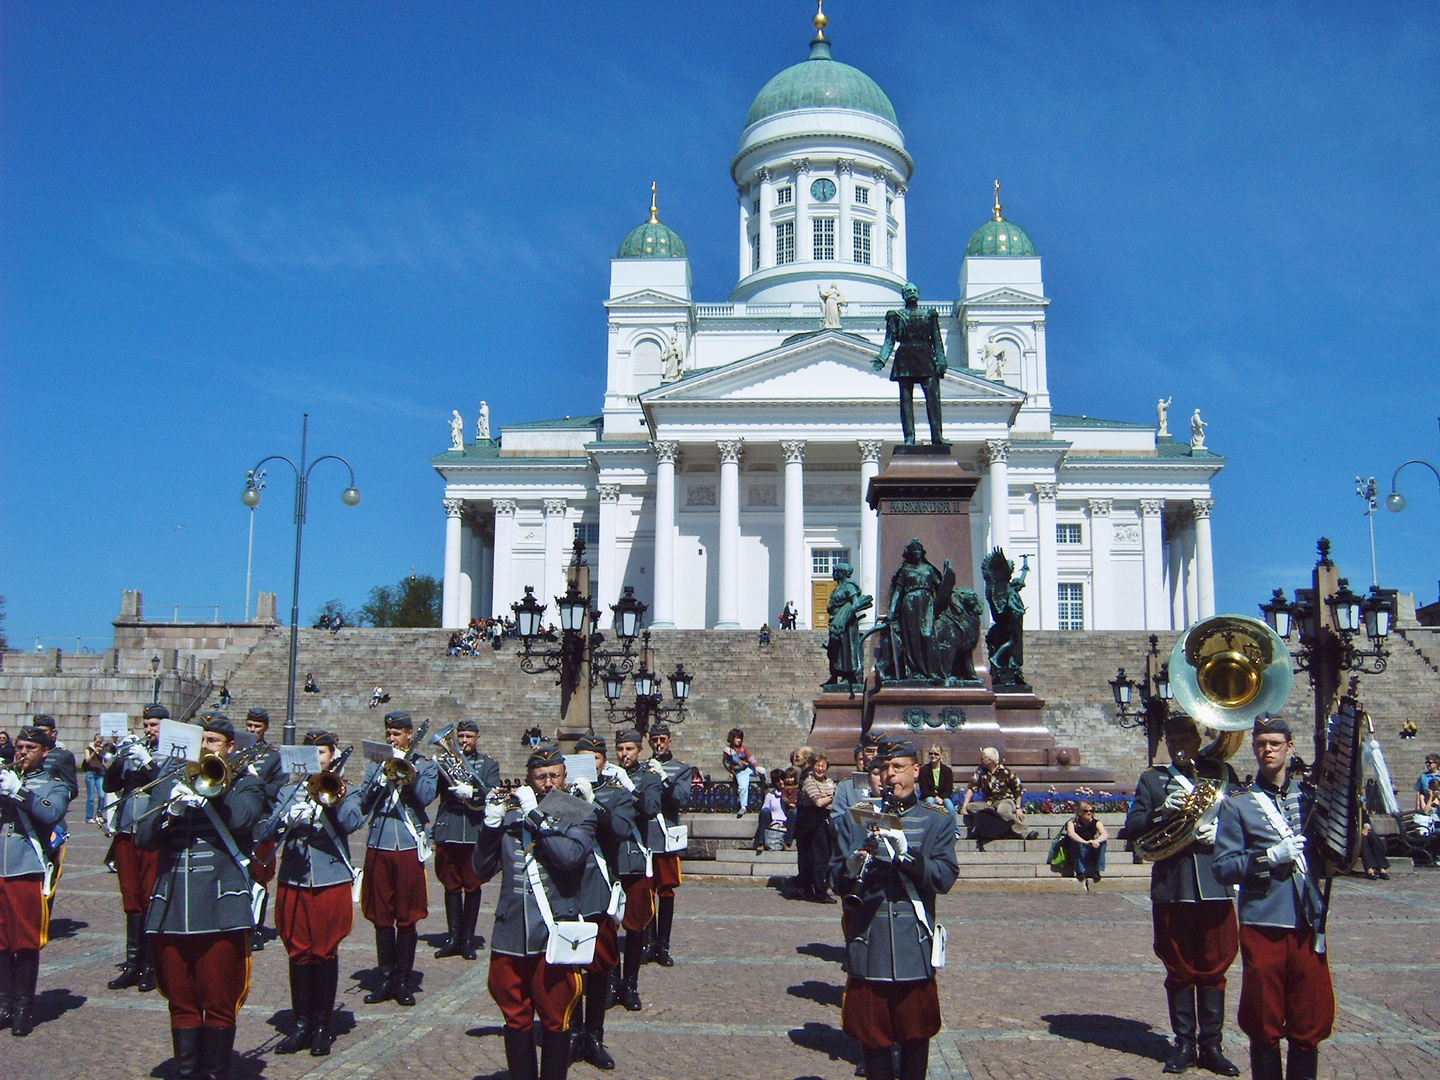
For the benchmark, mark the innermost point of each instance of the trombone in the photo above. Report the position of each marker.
(210, 777)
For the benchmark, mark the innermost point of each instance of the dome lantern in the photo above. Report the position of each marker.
(998, 237)
(652, 239)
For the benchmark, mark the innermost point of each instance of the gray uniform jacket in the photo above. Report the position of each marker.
(614, 822)
(123, 775)
(561, 849)
(388, 829)
(848, 792)
(674, 798)
(1188, 877)
(630, 859)
(199, 888)
(60, 763)
(1278, 896)
(455, 822)
(267, 769)
(886, 940)
(309, 859)
(41, 801)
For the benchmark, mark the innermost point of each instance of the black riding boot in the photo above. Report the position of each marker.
(630, 981)
(147, 981)
(577, 1021)
(664, 917)
(130, 972)
(1301, 1064)
(216, 1045)
(469, 915)
(24, 971)
(596, 989)
(453, 903)
(385, 954)
(1210, 1009)
(302, 1003)
(322, 1004)
(186, 1042)
(257, 937)
(914, 1060)
(879, 1065)
(1182, 1022)
(520, 1053)
(404, 965)
(554, 1055)
(1265, 1063)
(7, 1006)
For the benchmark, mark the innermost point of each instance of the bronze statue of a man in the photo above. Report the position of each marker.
(912, 336)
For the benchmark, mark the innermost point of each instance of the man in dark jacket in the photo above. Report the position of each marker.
(1196, 936)
(457, 826)
(266, 768)
(675, 779)
(635, 859)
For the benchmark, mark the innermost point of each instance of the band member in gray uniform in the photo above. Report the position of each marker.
(132, 769)
(675, 777)
(458, 822)
(888, 877)
(635, 859)
(265, 768)
(602, 896)
(313, 909)
(392, 892)
(1196, 936)
(200, 916)
(522, 983)
(32, 802)
(1285, 992)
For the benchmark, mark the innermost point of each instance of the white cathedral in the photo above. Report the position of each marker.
(727, 472)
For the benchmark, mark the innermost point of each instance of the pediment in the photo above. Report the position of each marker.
(1006, 296)
(830, 366)
(647, 298)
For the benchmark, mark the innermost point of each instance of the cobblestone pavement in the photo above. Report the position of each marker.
(1040, 985)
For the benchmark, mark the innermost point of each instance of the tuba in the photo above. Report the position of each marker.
(451, 762)
(1224, 671)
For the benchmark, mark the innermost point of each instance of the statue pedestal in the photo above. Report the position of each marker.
(925, 494)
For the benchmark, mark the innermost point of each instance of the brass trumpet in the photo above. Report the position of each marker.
(326, 789)
(210, 777)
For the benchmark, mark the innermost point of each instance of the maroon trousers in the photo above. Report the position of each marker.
(393, 890)
(24, 914)
(883, 1014)
(204, 977)
(639, 903)
(1285, 992)
(455, 868)
(262, 862)
(136, 872)
(607, 946)
(1197, 943)
(526, 986)
(667, 875)
(313, 922)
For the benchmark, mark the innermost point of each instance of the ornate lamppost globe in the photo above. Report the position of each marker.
(1395, 502)
(251, 496)
(351, 495)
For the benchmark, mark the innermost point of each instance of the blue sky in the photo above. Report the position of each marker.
(217, 217)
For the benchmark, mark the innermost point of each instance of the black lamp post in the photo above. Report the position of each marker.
(251, 498)
(155, 670)
(1329, 619)
(648, 697)
(1155, 698)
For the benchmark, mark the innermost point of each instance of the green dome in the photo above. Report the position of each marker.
(652, 240)
(999, 237)
(821, 83)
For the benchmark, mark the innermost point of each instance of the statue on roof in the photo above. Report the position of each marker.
(457, 430)
(673, 358)
(833, 304)
(1197, 432)
(482, 425)
(912, 339)
(994, 358)
(1162, 415)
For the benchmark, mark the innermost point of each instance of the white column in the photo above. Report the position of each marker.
(795, 577)
(485, 575)
(467, 570)
(1204, 556)
(844, 196)
(450, 597)
(1152, 558)
(744, 199)
(767, 231)
(728, 602)
(1101, 534)
(555, 555)
(998, 451)
(607, 561)
(1049, 572)
(1174, 567)
(902, 255)
(664, 610)
(501, 588)
(1191, 575)
(869, 566)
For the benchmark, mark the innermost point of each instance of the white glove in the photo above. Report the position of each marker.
(464, 790)
(398, 753)
(856, 863)
(586, 791)
(620, 776)
(655, 767)
(1286, 851)
(892, 844)
(253, 771)
(139, 753)
(494, 815)
(381, 778)
(1205, 833)
(184, 799)
(525, 796)
(10, 784)
(1174, 801)
(301, 811)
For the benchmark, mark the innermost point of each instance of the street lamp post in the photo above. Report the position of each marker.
(257, 481)
(1155, 698)
(155, 670)
(1368, 491)
(1395, 502)
(1329, 618)
(648, 697)
(251, 498)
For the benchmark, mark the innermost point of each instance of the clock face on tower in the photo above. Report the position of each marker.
(822, 190)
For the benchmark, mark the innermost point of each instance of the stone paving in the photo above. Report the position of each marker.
(1040, 986)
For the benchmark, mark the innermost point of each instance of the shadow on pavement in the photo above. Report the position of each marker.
(834, 954)
(1111, 1032)
(65, 928)
(827, 1039)
(822, 992)
(53, 1004)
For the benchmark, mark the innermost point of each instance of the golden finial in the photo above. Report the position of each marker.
(821, 20)
(997, 216)
(654, 212)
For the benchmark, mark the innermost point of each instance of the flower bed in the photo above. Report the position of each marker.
(1062, 802)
